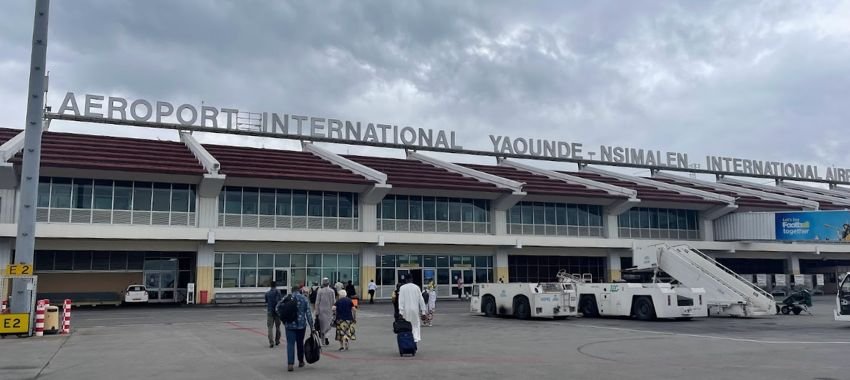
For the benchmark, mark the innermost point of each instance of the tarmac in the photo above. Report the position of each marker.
(188, 342)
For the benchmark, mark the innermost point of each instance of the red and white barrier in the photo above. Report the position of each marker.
(66, 317)
(39, 317)
(4, 307)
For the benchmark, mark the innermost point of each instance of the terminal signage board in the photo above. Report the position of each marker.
(19, 270)
(813, 225)
(161, 114)
(14, 323)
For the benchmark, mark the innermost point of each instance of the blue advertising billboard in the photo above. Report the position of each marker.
(813, 225)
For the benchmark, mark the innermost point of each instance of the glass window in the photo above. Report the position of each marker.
(415, 208)
(481, 275)
(331, 204)
(572, 215)
(44, 192)
(233, 200)
(402, 209)
(443, 276)
(265, 260)
(250, 200)
(345, 205)
(180, 198)
(551, 214)
(388, 208)
(348, 261)
(82, 193)
(299, 260)
(467, 211)
(123, 195)
(231, 260)
(481, 261)
(455, 206)
(249, 260)
(248, 277)
(527, 213)
(314, 260)
(161, 197)
(329, 260)
(63, 260)
(429, 207)
(117, 261)
(314, 205)
(561, 214)
(387, 277)
(429, 261)
(443, 261)
(482, 209)
(515, 216)
(284, 202)
(103, 194)
(43, 260)
(192, 198)
(281, 260)
(230, 278)
(82, 260)
(60, 195)
(442, 210)
(298, 276)
(267, 197)
(299, 203)
(100, 261)
(388, 261)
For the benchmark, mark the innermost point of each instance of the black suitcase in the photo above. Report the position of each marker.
(400, 326)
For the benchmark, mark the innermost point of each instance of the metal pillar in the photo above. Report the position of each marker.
(25, 239)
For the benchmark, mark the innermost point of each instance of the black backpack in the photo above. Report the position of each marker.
(313, 295)
(287, 309)
(425, 296)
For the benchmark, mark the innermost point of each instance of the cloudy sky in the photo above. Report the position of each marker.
(765, 80)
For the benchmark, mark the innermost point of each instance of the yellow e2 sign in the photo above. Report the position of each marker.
(19, 270)
(14, 323)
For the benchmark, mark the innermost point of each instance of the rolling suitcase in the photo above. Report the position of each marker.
(404, 337)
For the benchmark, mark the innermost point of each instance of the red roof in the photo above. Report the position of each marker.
(741, 199)
(823, 205)
(69, 150)
(280, 164)
(6, 134)
(414, 174)
(541, 185)
(646, 193)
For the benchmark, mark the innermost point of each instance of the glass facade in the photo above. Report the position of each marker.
(251, 207)
(545, 268)
(557, 219)
(659, 223)
(257, 270)
(443, 269)
(433, 214)
(81, 200)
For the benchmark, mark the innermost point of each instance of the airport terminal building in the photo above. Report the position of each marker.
(118, 211)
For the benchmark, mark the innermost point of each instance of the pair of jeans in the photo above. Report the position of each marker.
(272, 320)
(294, 340)
(371, 296)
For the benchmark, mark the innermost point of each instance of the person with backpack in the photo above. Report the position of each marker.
(325, 300)
(272, 319)
(294, 312)
(429, 295)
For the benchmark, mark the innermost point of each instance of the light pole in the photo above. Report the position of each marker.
(25, 239)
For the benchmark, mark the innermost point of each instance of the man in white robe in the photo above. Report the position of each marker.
(325, 300)
(411, 306)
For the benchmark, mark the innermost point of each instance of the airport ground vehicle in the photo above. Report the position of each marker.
(726, 292)
(526, 300)
(842, 300)
(796, 302)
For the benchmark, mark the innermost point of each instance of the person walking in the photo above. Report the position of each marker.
(296, 328)
(349, 289)
(372, 288)
(272, 319)
(325, 300)
(395, 299)
(460, 287)
(430, 303)
(411, 306)
(346, 320)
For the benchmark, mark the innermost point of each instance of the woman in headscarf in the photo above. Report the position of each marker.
(345, 320)
(431, 303)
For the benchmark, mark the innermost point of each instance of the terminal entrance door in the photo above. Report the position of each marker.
(466, 274)
(161, 280)
(403, 274)
(281, 278)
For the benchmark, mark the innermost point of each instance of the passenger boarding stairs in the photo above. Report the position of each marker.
(727, 293)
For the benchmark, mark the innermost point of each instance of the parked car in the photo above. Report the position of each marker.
(136, 294)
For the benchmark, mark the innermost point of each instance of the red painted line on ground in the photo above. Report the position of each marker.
(236, 326)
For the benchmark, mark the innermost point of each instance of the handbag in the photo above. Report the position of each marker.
(313, 347)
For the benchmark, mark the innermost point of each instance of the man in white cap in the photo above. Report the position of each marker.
(325, 300)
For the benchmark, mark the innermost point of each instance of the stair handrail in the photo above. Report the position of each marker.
(729, 271)
(705, 272)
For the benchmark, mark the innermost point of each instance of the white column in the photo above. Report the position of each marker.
(368, 257)
(498, 221)
(612, 226)
(368, 217)
(501, 264)
(207, 212)
(707, 230)
(204, 272)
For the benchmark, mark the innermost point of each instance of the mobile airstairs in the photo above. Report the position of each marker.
(726, 292)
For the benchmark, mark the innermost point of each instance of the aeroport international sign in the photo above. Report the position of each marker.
(160, 114)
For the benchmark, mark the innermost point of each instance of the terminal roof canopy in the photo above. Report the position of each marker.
(653, 193)
(78, 151)
(824, 202)
(275, 164)
(539, 185)
(752, 200)
(6, 134)
(415, 174)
